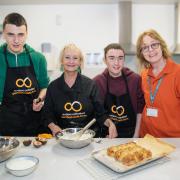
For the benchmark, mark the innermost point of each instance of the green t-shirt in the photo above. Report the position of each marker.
(22, 59)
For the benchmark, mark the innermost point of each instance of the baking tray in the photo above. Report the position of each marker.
(117, 166)
(99, 171)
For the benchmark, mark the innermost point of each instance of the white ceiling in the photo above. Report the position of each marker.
(15, 2)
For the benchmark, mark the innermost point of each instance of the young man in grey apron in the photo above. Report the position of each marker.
(23, 81)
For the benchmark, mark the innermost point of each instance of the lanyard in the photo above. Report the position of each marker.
(153, 95)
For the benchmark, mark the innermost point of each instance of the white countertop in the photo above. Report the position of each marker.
(60, 163)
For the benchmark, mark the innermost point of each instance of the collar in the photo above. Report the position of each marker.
(11, 52)
(166, 70)
(76, 87)
(107, 75)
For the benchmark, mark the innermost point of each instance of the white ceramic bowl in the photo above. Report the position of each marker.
(75, 144)
(22, 165)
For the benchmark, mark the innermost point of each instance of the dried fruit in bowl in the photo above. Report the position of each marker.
(37, 144)
(42, 140)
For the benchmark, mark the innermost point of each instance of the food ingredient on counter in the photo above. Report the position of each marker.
(19, 164)
(27, 142)
(42, 140)
(71, 137)
(37, 144)
(44, 135)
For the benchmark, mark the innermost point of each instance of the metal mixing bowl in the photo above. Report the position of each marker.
(74, 144)
(8, 147)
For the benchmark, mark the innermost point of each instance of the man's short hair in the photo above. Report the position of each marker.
(14, 18)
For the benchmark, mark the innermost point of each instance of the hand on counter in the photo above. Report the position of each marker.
(54, 128)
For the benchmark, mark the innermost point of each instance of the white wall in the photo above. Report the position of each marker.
(90, 26)
(160, 17)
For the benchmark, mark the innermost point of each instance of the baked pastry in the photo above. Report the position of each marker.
(113, 149)
(129, 153)
(143, 149)
(132, 155)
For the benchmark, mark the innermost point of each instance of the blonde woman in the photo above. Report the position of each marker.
(161, 86)
(72, 99)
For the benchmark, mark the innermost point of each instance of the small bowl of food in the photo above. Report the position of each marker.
(67, 139)
(8, 147)
(22, 165)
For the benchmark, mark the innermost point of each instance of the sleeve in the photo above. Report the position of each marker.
(177, 83)
(49, 109)
(3, 69)
(140, 97)
(42, 77)
(98, 106)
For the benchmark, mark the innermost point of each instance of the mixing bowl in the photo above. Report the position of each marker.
(8, 147)
(65, 138)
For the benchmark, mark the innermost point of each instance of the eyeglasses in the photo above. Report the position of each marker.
(153, 46)
(113, 58)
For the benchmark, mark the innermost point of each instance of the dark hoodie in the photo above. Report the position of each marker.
(117, 87)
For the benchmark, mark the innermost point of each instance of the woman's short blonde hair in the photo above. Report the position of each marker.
(155, 35)
(75, 48)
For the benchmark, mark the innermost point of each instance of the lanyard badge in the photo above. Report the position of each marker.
(153, 112)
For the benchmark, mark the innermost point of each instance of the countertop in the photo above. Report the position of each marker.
(60, 163)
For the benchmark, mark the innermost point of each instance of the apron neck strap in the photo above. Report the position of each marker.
(126, 83)
(28, 53)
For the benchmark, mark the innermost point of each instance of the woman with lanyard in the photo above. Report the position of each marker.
(120, 92)
(22, 81)
(161, 87)
(73, 100)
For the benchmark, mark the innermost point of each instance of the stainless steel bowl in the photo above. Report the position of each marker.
(8, 147)
(75, 144)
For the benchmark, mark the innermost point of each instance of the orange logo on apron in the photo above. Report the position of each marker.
(24, 82)
(71, 106)
(117, 110)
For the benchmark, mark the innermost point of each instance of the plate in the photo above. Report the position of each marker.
(157, 147)
(117, 166)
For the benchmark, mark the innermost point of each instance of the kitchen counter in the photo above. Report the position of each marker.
(58, 162)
